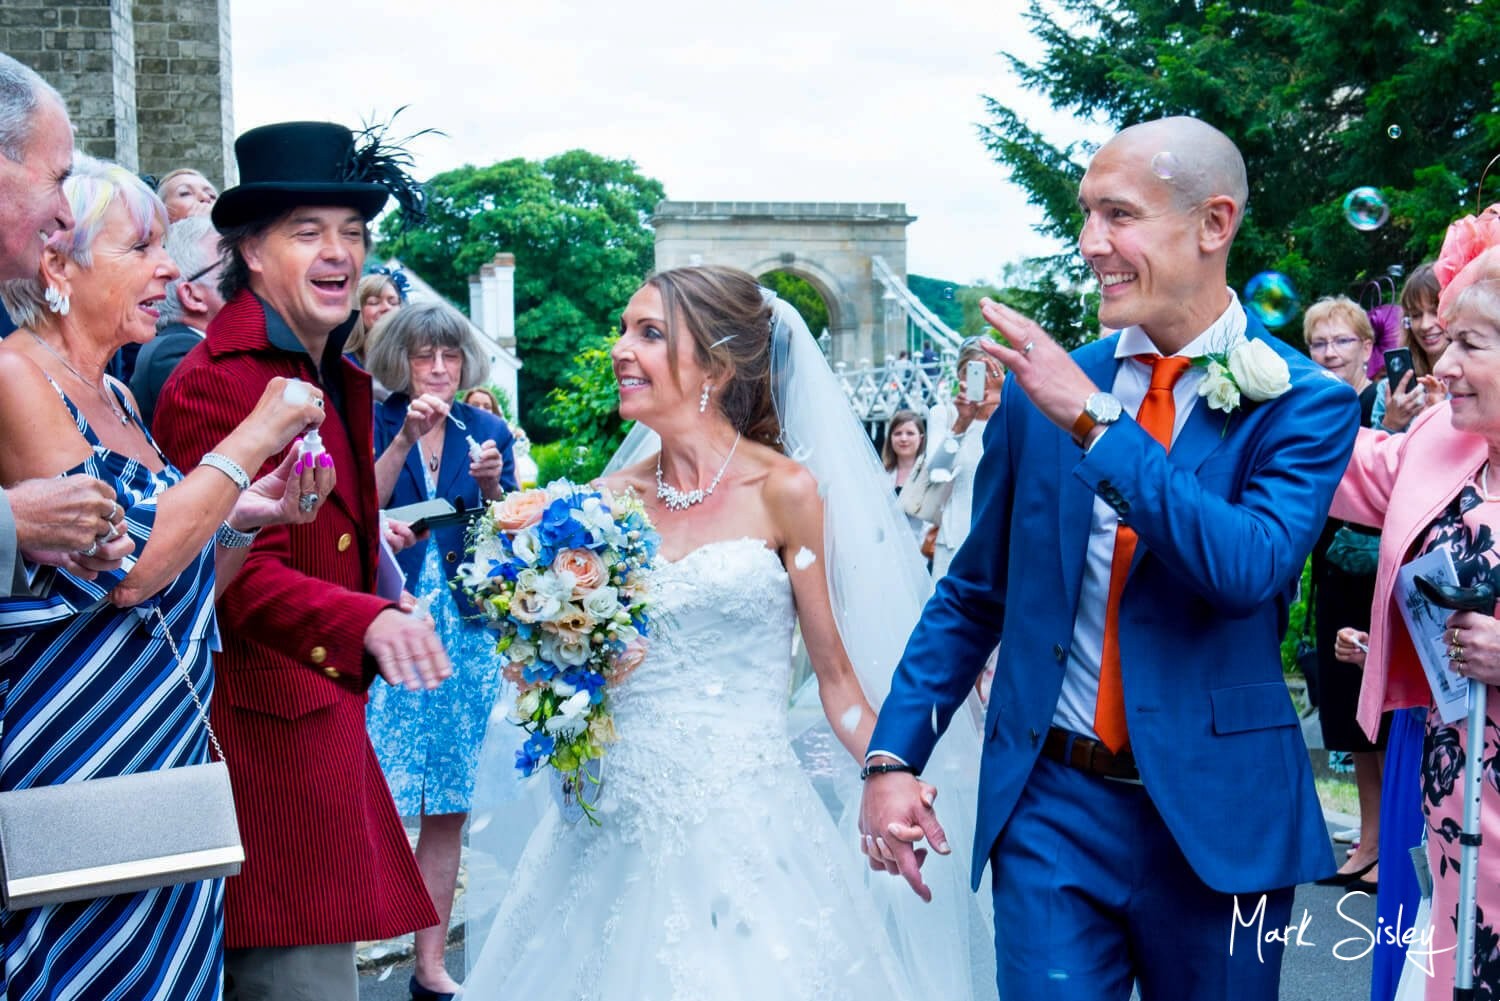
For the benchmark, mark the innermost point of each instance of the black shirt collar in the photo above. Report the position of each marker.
(330, 367)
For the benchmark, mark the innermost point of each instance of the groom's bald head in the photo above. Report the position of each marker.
(1192, 158)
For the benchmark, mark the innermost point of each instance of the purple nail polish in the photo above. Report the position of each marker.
(325, 460)
(297, 467)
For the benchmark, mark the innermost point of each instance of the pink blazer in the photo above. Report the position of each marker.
(1400, 483)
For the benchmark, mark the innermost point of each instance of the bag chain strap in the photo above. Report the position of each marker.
(188, 680)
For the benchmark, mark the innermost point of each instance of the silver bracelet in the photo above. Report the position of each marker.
(228, 467)
(232, 538)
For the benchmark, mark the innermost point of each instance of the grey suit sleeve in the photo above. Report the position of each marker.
(12, 569)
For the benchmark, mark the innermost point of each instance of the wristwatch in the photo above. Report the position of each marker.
(1099, 408)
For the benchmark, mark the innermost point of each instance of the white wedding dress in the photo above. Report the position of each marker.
(718, 873)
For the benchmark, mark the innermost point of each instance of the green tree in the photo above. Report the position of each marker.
(1321, 96)
(802, 295)
(579, 225)
(587, 404)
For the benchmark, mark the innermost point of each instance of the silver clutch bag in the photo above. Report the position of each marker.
(119, 834)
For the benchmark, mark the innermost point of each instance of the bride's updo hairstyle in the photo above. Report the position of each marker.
(726, 316)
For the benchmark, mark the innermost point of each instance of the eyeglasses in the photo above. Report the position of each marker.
(1340, 343)
(199, 274)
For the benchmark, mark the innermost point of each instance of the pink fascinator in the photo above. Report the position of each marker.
(1471, 251)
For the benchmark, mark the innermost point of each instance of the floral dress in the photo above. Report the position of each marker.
(1466, 529)
(428, 742)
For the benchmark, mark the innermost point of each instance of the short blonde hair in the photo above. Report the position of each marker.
(1340, 309)
(91, 189)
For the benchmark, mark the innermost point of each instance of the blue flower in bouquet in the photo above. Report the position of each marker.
(560, 530)
(587, 681)
(537, 749)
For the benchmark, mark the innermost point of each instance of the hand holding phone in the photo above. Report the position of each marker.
(1397, 364)
(975, 374)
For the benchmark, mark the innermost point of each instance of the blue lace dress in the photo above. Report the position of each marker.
(428, 742)
(91, 690)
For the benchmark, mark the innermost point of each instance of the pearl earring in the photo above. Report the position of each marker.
(56, 301)
(703, 400)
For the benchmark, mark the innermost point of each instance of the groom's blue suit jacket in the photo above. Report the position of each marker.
(1225, 521)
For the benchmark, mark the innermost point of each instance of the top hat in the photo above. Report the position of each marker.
(296, 163)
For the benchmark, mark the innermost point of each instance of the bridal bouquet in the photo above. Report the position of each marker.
(559, 573)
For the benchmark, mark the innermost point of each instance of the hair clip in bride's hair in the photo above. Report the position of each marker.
(721, 340)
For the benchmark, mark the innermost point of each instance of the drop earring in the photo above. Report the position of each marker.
(703, 400)
(56, 301)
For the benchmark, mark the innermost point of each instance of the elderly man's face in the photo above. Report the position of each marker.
(32, 203)
(1141, 245)
(306, 266)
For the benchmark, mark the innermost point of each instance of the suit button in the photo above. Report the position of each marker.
(1058, 653)
(318, 654)
(1123, 507)
(331, 671)
(451, 557)
(345, 541)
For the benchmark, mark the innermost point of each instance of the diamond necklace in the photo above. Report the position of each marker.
(99, 388)
(680, 500)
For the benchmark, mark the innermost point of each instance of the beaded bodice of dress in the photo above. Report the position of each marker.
(710, 700)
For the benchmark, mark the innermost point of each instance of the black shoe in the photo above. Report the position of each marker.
(420, 993)
(1343, 878)
(1362, 885)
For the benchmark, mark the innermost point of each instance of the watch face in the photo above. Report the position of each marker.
(1103, 408)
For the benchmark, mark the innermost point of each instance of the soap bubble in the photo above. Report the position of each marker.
(1394, 131)
(1270, 296)
(948, 292)
(1365, 209)
(1165, 166)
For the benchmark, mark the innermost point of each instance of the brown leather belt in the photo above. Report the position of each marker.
(1089, 755)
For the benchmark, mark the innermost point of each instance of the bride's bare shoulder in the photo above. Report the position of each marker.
(639, 477)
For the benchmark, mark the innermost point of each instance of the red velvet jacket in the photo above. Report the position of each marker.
(327, 859)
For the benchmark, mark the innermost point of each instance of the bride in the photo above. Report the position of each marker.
(718, 871)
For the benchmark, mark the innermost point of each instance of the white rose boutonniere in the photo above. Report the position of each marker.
(1250, 370)
(1259, 371)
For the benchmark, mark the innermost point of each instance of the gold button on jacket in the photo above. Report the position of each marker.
(331, 671)
(318, 654)
(345, 541)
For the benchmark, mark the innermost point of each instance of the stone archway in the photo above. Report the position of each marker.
(830, 244)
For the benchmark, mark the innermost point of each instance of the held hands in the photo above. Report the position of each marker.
(407, 651)
(1474, 646)
(291, 494)
(59, 520)
(895, 813)
(1053, 381)
(1351, 646)
(422, 415)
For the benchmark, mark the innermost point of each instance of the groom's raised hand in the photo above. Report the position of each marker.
(895, 813)
(1049, 376)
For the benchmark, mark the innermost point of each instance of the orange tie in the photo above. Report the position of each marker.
(1157, 414)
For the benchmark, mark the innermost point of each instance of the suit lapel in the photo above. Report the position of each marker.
(1075, 505)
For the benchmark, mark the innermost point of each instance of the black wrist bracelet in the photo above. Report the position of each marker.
(868, 770)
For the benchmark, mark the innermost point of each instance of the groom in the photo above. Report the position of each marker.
(1145, 801)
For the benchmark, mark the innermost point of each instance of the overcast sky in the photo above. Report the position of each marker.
(778, 100)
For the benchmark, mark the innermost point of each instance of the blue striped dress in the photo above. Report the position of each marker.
(91, 690)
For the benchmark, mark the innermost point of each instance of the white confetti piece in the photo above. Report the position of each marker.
(804, 558)
(480, 822)
(851, 719)
(385, 974)
(934, 720)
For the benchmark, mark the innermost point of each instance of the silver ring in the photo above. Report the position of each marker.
(307, 502)
(1027, 349)
(113, 533)
(91, 550)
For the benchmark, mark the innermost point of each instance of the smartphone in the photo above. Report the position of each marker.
(975, 373)
(1397, 364)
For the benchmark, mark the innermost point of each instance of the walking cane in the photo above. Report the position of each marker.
(1479, 598)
